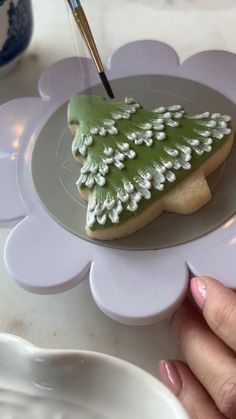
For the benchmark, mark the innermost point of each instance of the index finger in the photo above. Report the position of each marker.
(218, 305)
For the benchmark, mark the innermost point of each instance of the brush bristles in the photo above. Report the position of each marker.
(107, 85)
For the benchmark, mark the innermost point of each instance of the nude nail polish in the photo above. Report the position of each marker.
(199, 291)
(170, 377)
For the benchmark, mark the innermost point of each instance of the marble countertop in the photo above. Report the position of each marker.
(71, 319)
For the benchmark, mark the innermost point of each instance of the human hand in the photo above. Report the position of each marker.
(206, 384)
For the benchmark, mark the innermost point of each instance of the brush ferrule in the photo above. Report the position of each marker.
(84, 28)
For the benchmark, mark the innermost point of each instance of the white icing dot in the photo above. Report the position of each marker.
(145, 184)
(85, 169)
(186, 166)
(215, 115)
(123, 196)
(98, 210)
(193, 142)
(90, 219)
(108, 122)
(137, 196)
(220, 124)
(129, 100)
(211, 124)
(173, 124)
(178, 115)
(200, 116)
(175, 108)
(94, 168)
(117, 115)
(184, 148)
(108, 151)
(82, 149)
(108, 160)
(131, 109)
(225, 131)
(81, 181)
(119, 164)
(177, 165)
(112, 130)
(103, 168)
(119, 156)
(167, 163)
(132, 206)
(217, 134)
(208, 141)
(139, 141)
(132, 136)
(205, 147)
(148, 134)
(148, 142)
(158, 127)
(226, 118)
(114, 216)
(159, 178)
(102, 132)
(161, 109)
(199, 151)
(145, 193)
(110, 203)
(160, 136)
(167, 115)
(123, 146)
(157, 185)
(92, 203)
(119, 207)
(170, 176)
(125, 115)
(137, 105)
(145, 174)
(94, 130)
(131, 154)
(129, 187)
(102, 219)
(159, 168)
(88, 140)
(146, 126)
(100, 180)
(186, 157)
(204, 134)
(171, 151)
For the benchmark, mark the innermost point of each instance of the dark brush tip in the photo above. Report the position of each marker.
(107, 85)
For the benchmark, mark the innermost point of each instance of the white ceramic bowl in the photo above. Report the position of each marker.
(39, 383)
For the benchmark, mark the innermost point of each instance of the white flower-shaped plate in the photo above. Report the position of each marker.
(133, 287)
(40, 383)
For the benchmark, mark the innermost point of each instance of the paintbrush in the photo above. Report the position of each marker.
(83, 25)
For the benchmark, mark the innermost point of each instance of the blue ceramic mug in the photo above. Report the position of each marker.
(15, 31)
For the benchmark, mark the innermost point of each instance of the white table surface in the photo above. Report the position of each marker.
(71, 319)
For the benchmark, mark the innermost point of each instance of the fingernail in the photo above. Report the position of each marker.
(170, 376)
(199, 291)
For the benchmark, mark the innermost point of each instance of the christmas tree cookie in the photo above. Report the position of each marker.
(137, 163)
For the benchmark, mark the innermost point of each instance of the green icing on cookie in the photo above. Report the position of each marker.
(132, 156)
